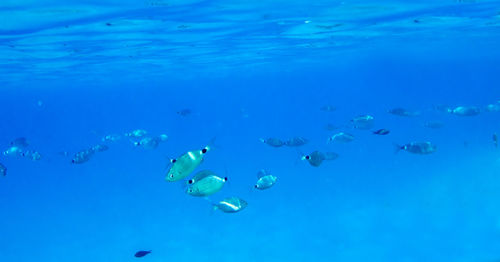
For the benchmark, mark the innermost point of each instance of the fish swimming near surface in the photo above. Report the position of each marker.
(420, 148)
(142, 253)
(296, 141)
(381, 132)
(398, 111)
(3, 170)
(184, 165)
(231, 205)
(265, 180)
(274, 142)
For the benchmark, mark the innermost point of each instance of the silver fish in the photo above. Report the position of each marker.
(421, 148)
(231, 205)
(265, 180)
(137, 133)
(465, 111)
(205, 183)
(274, 142)
(363, 122)
(82, 156)
(341, 137)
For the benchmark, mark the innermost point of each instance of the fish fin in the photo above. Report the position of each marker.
(397, 148)
(262, 173)
(262, 140)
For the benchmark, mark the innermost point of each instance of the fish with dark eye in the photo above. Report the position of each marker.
(316, 158)
(265, 180)
(205, 183)
(465, 111)
(495, 139)
(33, 155)
(82, 156)
(419, 148)
(381, 132)
(296, 141)
(274, 142)
(184, 165)
(13, 151)
(398, 111)
(3, 170)
(142, 253)
(20, 142)
(231, 205)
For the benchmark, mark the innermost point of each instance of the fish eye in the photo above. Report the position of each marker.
(308, 157)
(190, 181)
(204, 150)
(174, 160)
(255, 186)
(172, 176)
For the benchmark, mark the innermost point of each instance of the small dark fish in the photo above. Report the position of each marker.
(495, 139)
(3, 170)
(142, 253)
(381, 132)
(184, 112)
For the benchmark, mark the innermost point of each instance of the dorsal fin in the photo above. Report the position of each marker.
(262, 173)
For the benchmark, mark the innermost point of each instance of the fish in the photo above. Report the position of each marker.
(100, 148)
(363, 122)
(111, 138)
(296, 141)
(138, 133)
(231, 205)
(20, 142)
(205, 183)
(184, 165)
(184, 112)
(493, 107)
(148, 142)
(33, 155)
(381, 132)
(420, 148)
(315, 158)
(3, 170)
(434, 124)
(142, 253)
(495, 139)
(341, 137)
(265, 180)
(274, 142)
(398, 111)
(13, 151)
(465, 111)
(82, 156)
(328, 108)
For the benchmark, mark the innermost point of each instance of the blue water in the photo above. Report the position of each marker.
(72, 72)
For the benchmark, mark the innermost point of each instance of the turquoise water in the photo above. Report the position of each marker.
(73, 72)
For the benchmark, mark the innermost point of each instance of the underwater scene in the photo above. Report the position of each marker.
(230, 130)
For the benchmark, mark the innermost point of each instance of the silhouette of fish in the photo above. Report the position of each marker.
(142, 253)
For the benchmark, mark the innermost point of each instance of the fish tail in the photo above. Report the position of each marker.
(397, 148)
